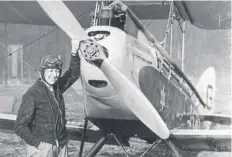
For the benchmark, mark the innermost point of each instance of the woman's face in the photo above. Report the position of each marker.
(51, 75)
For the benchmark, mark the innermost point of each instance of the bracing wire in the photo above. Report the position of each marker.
(24, 46)
(10, 54)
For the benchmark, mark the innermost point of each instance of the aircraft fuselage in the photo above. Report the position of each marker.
(140, 64)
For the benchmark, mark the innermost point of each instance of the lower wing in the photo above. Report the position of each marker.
(202, 140)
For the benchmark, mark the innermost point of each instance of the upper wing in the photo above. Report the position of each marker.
(30, 12)
(204, 14)
(202, 140)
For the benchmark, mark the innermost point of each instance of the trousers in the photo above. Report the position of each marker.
(47, 151)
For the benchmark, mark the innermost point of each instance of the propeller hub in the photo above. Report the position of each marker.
(93, 52)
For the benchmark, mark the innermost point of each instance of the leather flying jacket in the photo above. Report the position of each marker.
(41, 116)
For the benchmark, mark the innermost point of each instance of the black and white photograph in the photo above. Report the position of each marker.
(113, 78)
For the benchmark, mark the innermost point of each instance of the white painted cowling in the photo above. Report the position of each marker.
(104, 102)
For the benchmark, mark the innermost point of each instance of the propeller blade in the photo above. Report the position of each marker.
(132, 96)
(135, 100)
(63, 17)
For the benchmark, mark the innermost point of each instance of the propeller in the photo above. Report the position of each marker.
(132, 96)
(62, 16)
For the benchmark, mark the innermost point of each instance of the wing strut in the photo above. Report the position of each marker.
(185, 13)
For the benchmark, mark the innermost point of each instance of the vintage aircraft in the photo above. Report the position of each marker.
(132, 88)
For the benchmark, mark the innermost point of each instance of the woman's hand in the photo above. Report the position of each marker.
(47, 150)
(75, 47)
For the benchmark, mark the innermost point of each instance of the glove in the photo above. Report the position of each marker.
(75, 47)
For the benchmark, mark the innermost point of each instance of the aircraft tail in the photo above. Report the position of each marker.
(207, 88)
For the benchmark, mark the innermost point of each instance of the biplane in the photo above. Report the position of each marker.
(132, 87)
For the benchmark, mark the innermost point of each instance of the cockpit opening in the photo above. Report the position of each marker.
(106, 16)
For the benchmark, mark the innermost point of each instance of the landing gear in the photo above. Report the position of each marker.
(105, 138)
(154, 145)
(174, 152)
(173, 148)
(83, 137)
(96, 148)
